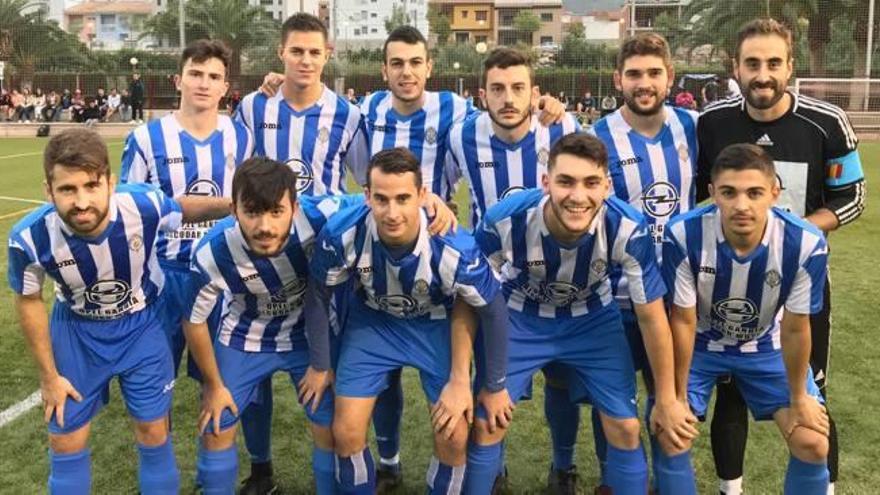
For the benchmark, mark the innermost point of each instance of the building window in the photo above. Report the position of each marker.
(546, 40)
(374, 30)
(481, 39)
(462, 37)
(481, 15)
(464, 14)
(374, 15)
(158, 3)
(546, 17)
(506, 16)
(108, 23)
(357, 32)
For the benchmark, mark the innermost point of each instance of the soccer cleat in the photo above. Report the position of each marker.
(563, 481)
(260, 482)
(502, 484)
(388, 478)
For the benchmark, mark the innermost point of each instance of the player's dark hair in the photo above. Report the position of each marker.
(763, 26)
(78, 148)
(396, 161)
(304, 23)
(203, 50)
(580, 145)
(504, 57)
(644, 44)
(259, 184)
(743, 156)
(406, 34)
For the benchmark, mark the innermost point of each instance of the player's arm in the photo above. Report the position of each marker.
(683, 322)
(202, 209)
(682, 301)
(456, 400)
(844, 193)
(550, 110)
(271, 82)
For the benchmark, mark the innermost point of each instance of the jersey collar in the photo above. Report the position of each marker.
(765, 239)
(422, 243)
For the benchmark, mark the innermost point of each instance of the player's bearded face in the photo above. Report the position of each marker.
(509, 96)
(577, 188)
(82, 199)
(304, 54)
(266, 232)
(763, 70)
(744, 197)
(406, 69)
(644, 82)
(396, 202)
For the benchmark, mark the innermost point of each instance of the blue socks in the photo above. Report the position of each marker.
(217, 471)
(601, 444)
(323, 468)
(483, 463)
(70, 474)
(387, 415)
(256, 424)
(806, 478)
(356, 475)
(444, 479)
(564, 419)
(158, 469)
(627, 472)
(674, 475)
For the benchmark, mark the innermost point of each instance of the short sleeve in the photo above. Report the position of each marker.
(677, 273)
(25, 275)
(489, 242)
(807, 290)
(640, 267)
(134, 165)
(357, 158)
(475, 281)
(202, 294)
(328, 265)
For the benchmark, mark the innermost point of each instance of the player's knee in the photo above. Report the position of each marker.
(456, 445)
(670, 449)
(68, 443)
(622, 433)
(151, 433)
(323, 436)
(347, 438)
(808, 445)
(219, 441)
(482, 435)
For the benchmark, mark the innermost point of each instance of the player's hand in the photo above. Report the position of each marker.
(456, 402)
(313, 385)
(271, 83)
(54, 392)
(550, 110)
(444, 217)
(676, 422)
(808, 413)
(214, 400)
(499, 408)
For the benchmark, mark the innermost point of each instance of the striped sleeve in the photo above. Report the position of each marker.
(170, 214)
(489, 241)
(328, 266)
(677, 273)
(357, 158)
(639, 263)
(475, 282)
(809, 284)
(202, 291)
(134, 165)
(24, 274)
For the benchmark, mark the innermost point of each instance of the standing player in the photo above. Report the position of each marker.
(821, 179)
(652, 155)
(190, 152)
(409, 281)
(744, 278)
(98, 245)
(258, 261)
(556, 248)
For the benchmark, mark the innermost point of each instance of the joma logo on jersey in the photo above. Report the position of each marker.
(64, 263)
(108, 292)
(486, 165)
(708, 270)
(381, 128)
(252, 276)
(269, 125)
(174, 160)
(535, 263)
(630, 161)
(364, 269)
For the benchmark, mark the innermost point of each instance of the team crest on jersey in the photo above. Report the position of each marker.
(304, 176)
(599, 267)
(108, 292)
(420, 288)
(135, 242)
(430, 135)
(324, 134)
(773, 278)
(510, 191)
(203, 187)
(544, 156)
(660, 199)
(683, 155)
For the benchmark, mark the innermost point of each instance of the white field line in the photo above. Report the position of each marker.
(38, 153)
(15, 213)
(23, 200)
(12, 412)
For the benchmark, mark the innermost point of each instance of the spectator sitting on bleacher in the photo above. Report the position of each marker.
(91, 114)
(66, 98)
(24, 110)
(77, 105)
(39, 104)
(101, 100)
(6, 107)
(113, 102)
(17, 104)
(52, 110)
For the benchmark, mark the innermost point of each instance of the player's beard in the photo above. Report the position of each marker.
(525, 114)
(632, 104)
(764, 103)
(99, 219)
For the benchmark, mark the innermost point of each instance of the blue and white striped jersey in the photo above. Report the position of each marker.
(104, 278)
(424, 132)
(422, 284)
(496, 169)
(546, 278)
(315, 142)
(163, 154)
(654, 175)
(738, 299)
(262, 295)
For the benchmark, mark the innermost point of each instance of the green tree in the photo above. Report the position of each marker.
(528, 23)
(576, 30)
(438, 24)
(398, 18)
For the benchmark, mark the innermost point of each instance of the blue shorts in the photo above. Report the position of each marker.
(89, 353)
(375, 343)
(593, 347)
(242, 373)
(174, 295)
(760, 378)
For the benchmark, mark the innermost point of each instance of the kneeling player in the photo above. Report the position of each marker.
(744, 278)
(98, 245)
(258, 260)
(401, 316)
(555, 249)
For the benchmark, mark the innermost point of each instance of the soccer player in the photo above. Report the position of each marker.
(409, 282)
(190, 152)
(652, 156)
(98, 244)
(743, 278)
(258, 260)
(821, 179)
(556, 248)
